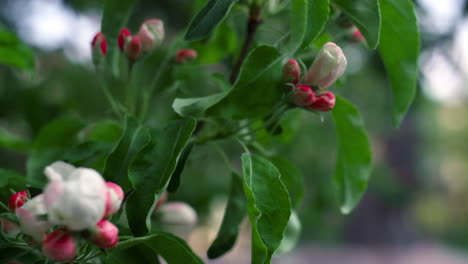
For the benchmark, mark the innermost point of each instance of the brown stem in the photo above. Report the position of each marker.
(252, 25)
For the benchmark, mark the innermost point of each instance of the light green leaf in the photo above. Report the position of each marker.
(135, 137)
(292, 178)
(399, 48)
(268, 206)
(365, 14)
(151, 171)
(317, 16)
(196, 107)
(175, 179)
(354, 159)
(235, 212)
(212, 13)
(291, 234)
(13, 52)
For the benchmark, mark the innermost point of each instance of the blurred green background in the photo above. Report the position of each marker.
(418, 193)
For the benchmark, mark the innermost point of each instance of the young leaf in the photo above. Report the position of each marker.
(353, 165)
(196, 107)
(365, 14)
(151, 170)
(235, 212)
(212, 13)
(399, 48)
(317, 12)
(256, 90)
(298, 24)
(268, 206)
(50, 145)
(292, 178)
(173, 249)
(175, 179)
(135, 137)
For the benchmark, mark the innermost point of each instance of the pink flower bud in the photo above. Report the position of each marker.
(186, 55)
(30, 222)
(9, 227)
(178, 213)
(105, 234)
(99, 44)
(356, 35)
(161, 201)
(324, 103)
(17, 200)
(151, 34)
(134, 48)
(59, 246)
(115, 196)
(328, 66)
(124, 36)
(303, 95)
(291, 71)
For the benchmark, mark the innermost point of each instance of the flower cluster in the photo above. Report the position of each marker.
(74, 205)
(327, 67)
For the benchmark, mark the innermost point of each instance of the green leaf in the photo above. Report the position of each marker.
(175, 179)
(114, 18)
(292, 178)
(173, 249)
(308, 20)
(50, 145)
(105, 131)
(13, 142)
(354, 158)
(291, 234)
(212, 13)
(257, 89)
(235, 212)
(365, 14)
(196, 107)
(13, 52)
(399, 48)
(151, 170)
(135, 137)
(140, 253)
(12, 179)
(268, 206)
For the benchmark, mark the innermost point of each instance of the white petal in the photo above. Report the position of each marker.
(59, 171)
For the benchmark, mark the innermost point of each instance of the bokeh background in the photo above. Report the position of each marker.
(416, 206)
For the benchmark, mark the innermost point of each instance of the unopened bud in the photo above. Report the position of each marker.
(17, 200)
(105, 234)
(303, 95)
(124, 36)
(29, 218)
(291, 71)
(59, 246)
(115, 196)
(134, 48)
(186, 55)
(151, 34)
(178, 213)
(324, 103)
(99, 44)
(356, 35)
(328, 66)
(161, 201)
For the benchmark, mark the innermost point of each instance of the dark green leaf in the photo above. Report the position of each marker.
(139, 253)
(365, 14)
(235, 212)
(308, 18)
(212, 13)
(13, 52)
(298, 24)
(50, 145)
(399, 48)
(268, 206)
(12, 179)
(150, 172)
(291, 234)
(292, 178)
(354, 159)
(135, 137)
(196, 107)
(257, 89)
(105, 131)
(173, 249)
(175, 179)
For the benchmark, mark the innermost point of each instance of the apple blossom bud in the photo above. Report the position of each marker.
(17, 200)
(324, 103)
(291, 71)
(99, 44)
(151, 34)
(134, 48)
(161, 201)
(29, 218)
(303, 95)
(356, 35)
(59, 246)
(105, 234)
(9, 227)
(186, 55)
(115, 196)
(74, 197)
(178, 213)
(328, 66)
(124, 36)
